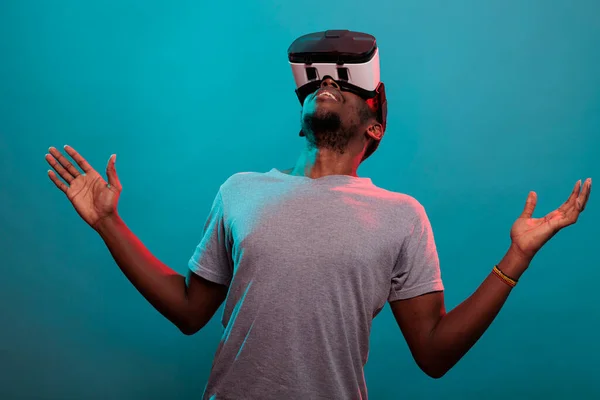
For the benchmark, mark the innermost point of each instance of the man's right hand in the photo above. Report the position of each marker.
(188, 305)
(92, 197)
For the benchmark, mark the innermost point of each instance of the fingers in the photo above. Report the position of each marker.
(62, 172)
(67, 171)
(584, 196)
(59, 184)
(574, 195)
(111, 173)
(570, 205)
(83, 164)
(62, 165)
(578, 198)
(529, 205)
(576, 203)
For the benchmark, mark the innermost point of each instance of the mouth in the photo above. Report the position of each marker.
(327, 94)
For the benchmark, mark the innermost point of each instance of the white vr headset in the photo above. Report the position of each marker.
(351, 59)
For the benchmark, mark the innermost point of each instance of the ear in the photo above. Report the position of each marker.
(375, 131)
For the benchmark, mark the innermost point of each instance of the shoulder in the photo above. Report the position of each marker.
(241, 178)
(244, 182)
(407, 206)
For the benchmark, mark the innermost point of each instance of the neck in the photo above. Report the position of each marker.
(316, 163)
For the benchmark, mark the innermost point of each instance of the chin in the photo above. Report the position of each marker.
(321, 116)
(326, 110)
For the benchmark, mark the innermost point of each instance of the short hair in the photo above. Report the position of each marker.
(367, 111)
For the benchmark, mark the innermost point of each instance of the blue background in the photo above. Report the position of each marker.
(487, 101)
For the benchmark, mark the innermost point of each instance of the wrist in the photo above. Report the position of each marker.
(514, 263)
(107, 224)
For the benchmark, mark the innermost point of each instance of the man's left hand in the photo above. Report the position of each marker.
(530, 234)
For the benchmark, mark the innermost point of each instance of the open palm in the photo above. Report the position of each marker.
(530, 234)
(92, 197)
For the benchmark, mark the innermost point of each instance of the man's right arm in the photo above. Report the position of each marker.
(189, 305)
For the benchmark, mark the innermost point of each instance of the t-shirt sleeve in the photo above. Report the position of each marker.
(212, 258)
(417, 269)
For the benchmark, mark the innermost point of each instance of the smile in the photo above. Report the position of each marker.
(328, 95)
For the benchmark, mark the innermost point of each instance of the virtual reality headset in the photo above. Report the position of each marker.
(350, 58)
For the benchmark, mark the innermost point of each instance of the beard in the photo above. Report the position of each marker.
(324, 130)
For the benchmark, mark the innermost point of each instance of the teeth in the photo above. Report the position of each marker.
(327, 94)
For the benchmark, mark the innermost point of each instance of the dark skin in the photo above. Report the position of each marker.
(437, 339)
(317, 162)
(188, 303)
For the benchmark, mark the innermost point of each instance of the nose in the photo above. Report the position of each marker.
(329, 82)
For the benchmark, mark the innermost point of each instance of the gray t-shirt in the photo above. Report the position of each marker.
(309, 263)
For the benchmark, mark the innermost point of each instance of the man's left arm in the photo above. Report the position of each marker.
(438, 340)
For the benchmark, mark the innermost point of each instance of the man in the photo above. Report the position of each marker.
(306, 258)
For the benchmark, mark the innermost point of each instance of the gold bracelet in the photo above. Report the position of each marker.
(505, 278)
